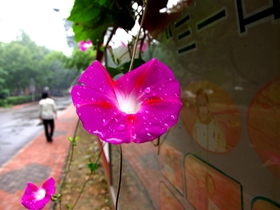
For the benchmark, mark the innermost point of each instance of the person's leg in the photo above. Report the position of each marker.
(52, 128)
(45, 122)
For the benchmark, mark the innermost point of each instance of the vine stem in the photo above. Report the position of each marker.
(69, 165)
(81, 192)
(120, 179)
(138, 35)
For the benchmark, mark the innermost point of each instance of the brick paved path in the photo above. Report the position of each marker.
(36, 162)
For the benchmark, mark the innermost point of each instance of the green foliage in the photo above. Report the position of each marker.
(22, 61)
(14, 100)
(4, 93)
(92, 166)
(91, 18)
(124, 68)
(73, 141)
(79, 60)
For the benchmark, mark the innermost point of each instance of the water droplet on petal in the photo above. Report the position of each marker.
(148, 134)
(78, 105)
(105, 122)
(78, 93)
(121, 127)
(79, 114)
(134, 136)
(172, 116)
(148, 90)
(101, 90)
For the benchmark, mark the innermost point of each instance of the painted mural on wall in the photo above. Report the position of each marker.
(170, 161)
(210, 116)
(168, 200)
(224, 153)
(263, 125)
(263, 203)
(208, 188)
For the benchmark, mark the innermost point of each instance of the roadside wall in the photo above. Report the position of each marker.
(224, 153)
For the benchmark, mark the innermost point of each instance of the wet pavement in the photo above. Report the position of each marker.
(20, 124)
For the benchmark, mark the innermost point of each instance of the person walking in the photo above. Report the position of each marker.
(47, 113)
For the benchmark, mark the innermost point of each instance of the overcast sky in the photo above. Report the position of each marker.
(37, 18)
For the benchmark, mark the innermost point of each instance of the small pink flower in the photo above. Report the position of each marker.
(138, 107)
(84, 45)
(35, 198)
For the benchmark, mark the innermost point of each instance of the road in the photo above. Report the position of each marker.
(21, 125)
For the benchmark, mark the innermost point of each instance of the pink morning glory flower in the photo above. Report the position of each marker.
(84, 45)
(35, 198)
(138, 107)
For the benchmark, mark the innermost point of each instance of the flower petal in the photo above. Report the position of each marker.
(49, 186)
(97, 77)
(28, 199)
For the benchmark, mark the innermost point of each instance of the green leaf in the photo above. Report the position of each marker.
(72, 141)
(80, 32)
(69, 206)
(84, 10)
(113, 71)
(92, 166)
(104, 3)
(96, 34)
(137, 62)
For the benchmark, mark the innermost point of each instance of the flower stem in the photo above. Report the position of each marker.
(120, 179)
(138, 35)
(69, 165)
(81, 191)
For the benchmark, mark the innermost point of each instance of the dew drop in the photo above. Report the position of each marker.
(78, 105)
(101, 90)
(148, 134)
(147, 90)
(172, 116)
(78, 93)
(79, 114)
(121, 127)
(105, 123)
(134, 136)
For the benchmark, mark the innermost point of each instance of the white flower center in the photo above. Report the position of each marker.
(40, 194)
(128, 104)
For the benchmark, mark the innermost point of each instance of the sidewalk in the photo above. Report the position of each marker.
(36, 162)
